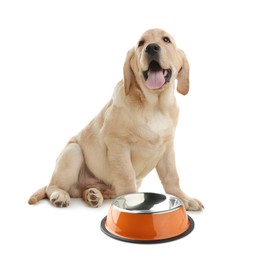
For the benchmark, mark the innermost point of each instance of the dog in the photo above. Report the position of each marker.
(133, 133)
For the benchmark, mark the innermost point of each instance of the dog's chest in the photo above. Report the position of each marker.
(158, 127)
(159, 124)
(153, 132)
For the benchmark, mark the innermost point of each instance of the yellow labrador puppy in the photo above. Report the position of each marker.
(132, 135)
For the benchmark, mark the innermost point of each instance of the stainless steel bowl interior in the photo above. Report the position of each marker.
(147, 203)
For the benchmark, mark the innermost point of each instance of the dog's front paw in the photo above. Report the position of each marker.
(93, 197)
(192, 204)
(60, 199)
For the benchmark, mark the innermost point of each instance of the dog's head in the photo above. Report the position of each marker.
(155, 62)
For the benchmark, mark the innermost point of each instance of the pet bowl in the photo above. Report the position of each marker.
(147, 218)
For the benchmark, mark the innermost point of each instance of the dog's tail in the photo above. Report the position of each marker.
(38, 195)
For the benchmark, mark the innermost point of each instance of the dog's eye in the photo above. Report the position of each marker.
(141, 43)
(166, 39)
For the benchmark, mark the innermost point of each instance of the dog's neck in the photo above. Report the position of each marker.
(145, 98)
(163, 100)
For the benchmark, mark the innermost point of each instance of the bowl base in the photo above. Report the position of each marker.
(126, 239)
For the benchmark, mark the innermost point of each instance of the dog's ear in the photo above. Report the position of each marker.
(183, 74)
(128, 74)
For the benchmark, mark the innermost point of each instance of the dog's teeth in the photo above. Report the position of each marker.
(165, 73)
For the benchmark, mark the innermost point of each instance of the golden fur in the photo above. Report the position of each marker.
(133, 133)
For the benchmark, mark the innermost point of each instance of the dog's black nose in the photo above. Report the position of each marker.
(153, 49)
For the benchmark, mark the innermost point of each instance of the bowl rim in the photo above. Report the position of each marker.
(167, 197)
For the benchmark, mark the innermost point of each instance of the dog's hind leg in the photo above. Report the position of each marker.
(65, 175)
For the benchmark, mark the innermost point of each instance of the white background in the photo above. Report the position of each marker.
(59, 63)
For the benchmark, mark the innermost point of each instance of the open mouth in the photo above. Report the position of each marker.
(156, 76)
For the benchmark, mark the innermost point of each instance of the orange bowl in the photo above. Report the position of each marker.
(147, 218)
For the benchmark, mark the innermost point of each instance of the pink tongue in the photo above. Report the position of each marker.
(155, 79)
